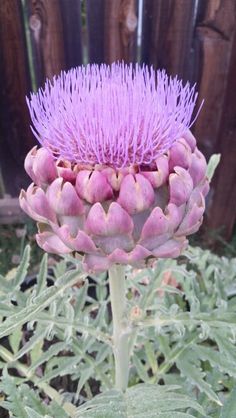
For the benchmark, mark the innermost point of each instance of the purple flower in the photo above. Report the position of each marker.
(117, 115)
(119, 178)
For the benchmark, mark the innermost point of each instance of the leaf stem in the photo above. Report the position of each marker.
(121, 330)
(68, 407)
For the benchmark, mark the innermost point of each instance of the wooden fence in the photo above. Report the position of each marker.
(195, 39)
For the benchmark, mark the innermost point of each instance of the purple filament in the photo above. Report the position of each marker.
(117, 115)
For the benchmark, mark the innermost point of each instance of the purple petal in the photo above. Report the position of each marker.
(65, 170)
(156, 224)
(193, 217)
(136, 194)
(93, 186)
(35, 204)
(113, 177)
(27, 209)
(74, 223)
(158, 177)
(51, 243)
(81, 243)
(198, 167)
(180, 155)
(109, 244)
(63, 198)
(190, 139)
(175, 215)
(44, 167)
(137, 254)
(116, 221)
(29, 162)
(181, 186)
(95, 263)
(171, 249)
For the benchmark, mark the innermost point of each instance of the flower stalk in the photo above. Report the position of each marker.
(121, 330)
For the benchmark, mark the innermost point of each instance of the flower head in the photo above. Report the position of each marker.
(118, 178)
(117, 115)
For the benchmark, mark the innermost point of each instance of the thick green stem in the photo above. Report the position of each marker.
(121, 331)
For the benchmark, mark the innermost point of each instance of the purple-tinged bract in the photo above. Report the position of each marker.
(119, 178)
(117, 115)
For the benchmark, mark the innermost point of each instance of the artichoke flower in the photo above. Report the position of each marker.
(118, 178)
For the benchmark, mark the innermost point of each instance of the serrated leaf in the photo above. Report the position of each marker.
(196, 376)
(15, 339)
(35, 339)
(164, 346)
(103, 353)
(36, 351)
(31, 398)
(30, 312)
(81, 296)
(65, 365)
(229, 407)
(144, 400)
(225, 346)
(33, 414)
(14, 402)
(85, 376)
(141, 370)
(151, 356)
(42, 275)
(23, 267)
(58, 412)
(216, 359)
(60, 268)
(45, 357)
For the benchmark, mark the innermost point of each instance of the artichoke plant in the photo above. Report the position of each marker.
(119, 178)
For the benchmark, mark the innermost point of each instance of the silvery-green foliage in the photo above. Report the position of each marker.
(190, 328)
(229, 408)
(139, 401)
(56, 340)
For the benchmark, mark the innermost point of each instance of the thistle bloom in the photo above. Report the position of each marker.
(118, 178)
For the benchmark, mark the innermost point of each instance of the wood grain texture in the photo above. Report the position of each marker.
(212, 51)
(45, 23)
(71, 24)
(120, 30)
(222, 210)
(95, 21)
(15, 135)
(167, 34)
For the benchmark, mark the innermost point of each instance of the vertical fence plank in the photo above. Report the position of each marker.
(214, 37)
(167, 34)
(15, 134)
(45, 23)
(71, 23)
(95, 20)
(222, 209)
(150, 29)
(120, 33)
